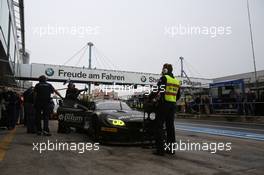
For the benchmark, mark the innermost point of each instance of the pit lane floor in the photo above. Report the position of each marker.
(239, 130)
(245, 157)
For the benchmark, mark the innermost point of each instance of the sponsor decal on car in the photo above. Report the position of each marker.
(107, 129)
(69, 117)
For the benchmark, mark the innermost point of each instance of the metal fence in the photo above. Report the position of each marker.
(232, 108)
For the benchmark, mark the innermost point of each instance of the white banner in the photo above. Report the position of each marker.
(78, 74)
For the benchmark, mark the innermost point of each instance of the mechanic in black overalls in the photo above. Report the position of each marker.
(42, 93)
(12, 101)
(2, 106)
(169, 92)
(29, 112)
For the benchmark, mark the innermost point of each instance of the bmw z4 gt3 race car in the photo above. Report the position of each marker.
(106, 120)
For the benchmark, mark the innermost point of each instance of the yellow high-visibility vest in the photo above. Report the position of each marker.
(172, 88)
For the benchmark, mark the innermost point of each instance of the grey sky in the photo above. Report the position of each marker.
(132, 34)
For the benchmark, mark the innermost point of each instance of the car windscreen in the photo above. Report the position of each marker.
(124, 106)
(112, 105)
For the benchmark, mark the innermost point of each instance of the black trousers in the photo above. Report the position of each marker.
(30, 117)
(42, 111)
(165, 114)
(12, 116)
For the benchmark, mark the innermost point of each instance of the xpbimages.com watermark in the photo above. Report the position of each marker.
(146, 89)
(79, 147)
(211, 147)
(190, 30)
(63, 30)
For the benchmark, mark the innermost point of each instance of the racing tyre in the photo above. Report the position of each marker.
(62, 128)
(94, 134)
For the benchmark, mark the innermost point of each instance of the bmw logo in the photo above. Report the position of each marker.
(143, 79)
(49, 72)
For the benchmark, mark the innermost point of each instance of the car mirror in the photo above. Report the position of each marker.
(92, 106)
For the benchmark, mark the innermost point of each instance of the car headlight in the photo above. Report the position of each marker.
(152, 117)
(116, 122)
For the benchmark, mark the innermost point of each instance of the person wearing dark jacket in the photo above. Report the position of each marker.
(169, 93)
(3, 107)
(42, 97)
(29, 112)
(72, 92)
(12, 102)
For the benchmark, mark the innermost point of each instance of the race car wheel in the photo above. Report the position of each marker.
(62, 128)
(94, 129)
(79, 130)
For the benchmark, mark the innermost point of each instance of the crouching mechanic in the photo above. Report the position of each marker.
(169, 93)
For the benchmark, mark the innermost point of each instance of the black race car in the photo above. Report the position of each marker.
(72, 114)
(106, 120)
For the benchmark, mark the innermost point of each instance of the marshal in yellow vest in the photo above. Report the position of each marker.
(172, 88)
